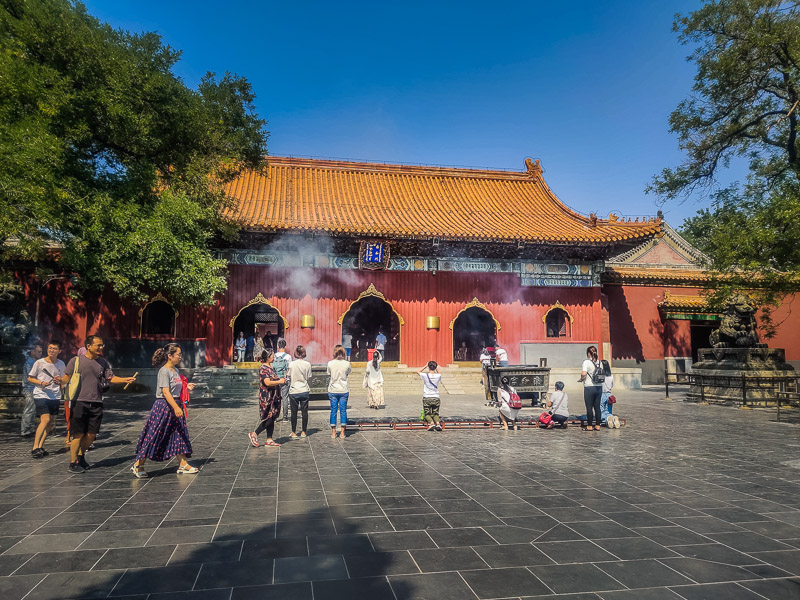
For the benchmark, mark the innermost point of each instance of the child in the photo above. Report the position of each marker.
(559, 407)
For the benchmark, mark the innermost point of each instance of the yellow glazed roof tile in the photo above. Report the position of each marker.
(354, 198)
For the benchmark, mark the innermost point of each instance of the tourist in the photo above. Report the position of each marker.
(504, 392)
(501, 356)
(165, 434)
(258, 346)
(347, 344)
(486, 361)
(28, 425)
(281, 367)
(430, 394)
(240, 345)
(250, 343)
(558, 406)
(373, 381)
(299, 390)
(86, 416)
(380, 341)
(269, 399)
(606, 406)
(338, 390)
(46, 375)
(592, 379)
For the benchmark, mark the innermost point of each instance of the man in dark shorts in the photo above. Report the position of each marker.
(87, 410)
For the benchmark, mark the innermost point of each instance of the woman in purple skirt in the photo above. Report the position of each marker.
(165, 434)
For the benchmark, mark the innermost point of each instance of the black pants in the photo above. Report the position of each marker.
(299, 401)
(269, 425)
(559, 420)
(591, 398)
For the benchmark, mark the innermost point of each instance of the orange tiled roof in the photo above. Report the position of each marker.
(676, 302)
(355, 198)
(635, 273)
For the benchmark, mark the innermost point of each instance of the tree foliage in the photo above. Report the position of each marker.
(743, 111)
(106, 154)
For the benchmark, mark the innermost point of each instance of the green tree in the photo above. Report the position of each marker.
(743, 111)
(110, 160)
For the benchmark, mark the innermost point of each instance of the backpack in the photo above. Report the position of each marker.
(514, 401)
(280, 364)
(599, 373)
(545, 419)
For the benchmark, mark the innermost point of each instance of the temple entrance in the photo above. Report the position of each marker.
(700, 332)
(366, 319)
(260, 320)
(473, 330)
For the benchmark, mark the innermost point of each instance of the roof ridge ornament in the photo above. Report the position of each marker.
(534, 167)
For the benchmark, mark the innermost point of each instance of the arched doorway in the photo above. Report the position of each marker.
(474, 328)
(258, 318)
(370, 315)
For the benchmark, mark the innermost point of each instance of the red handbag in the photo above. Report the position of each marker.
(545, 418)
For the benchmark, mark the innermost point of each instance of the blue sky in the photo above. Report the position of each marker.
(585, 87)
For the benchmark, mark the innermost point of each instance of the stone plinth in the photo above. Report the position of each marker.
(736, 376)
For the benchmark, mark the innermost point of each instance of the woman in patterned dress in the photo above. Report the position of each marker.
(165, 434)
(269, 399)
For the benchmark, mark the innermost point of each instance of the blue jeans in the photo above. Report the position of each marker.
(605, 408)
(338, 402)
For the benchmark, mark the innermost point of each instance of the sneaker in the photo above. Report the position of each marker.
(253, 439)
(438, 427)
(37, 453)
(84, 465)
(616, 422)
(44, 452)
(75, 468)
(431, 427)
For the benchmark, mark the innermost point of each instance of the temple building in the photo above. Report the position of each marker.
(439, 261)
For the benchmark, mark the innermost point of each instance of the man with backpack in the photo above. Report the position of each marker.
(281, 367)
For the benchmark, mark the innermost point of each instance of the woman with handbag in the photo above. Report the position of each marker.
(269, 399)
(592, 377)
(373, 381)
(165, 434)
(510, 403)
(558, 406)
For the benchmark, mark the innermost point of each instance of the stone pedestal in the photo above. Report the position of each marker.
(739, 376)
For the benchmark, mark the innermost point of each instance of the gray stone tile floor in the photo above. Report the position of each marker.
(686, 501)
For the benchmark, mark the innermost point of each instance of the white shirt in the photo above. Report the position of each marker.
(43, 370)
(299, 373)
(589, 367)
(501, 355)
(338, 369)
(608, 384)
(560, 402)
(374, 376)
(430, 382)
(380, 341)
(347, 340)
(485, 359)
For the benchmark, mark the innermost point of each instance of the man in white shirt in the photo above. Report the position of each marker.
(45, 375)
(431, 378)
(501, 356)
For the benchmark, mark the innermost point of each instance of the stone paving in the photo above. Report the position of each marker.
(687, 501)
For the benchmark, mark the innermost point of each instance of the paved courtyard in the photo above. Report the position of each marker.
(686, 502)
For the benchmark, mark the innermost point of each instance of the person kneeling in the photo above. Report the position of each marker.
(558, 406)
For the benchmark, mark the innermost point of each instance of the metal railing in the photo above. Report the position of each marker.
(784, 388)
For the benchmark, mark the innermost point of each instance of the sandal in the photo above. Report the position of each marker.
(139, 472)
(597, 427)
(303, 434)
(293, 435)
(188, 469)
(271, 443)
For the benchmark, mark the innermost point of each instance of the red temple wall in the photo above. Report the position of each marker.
(328, 294)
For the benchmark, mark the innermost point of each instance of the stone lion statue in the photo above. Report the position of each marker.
(738, 327)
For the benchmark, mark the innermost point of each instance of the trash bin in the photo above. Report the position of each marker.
(370, 353)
